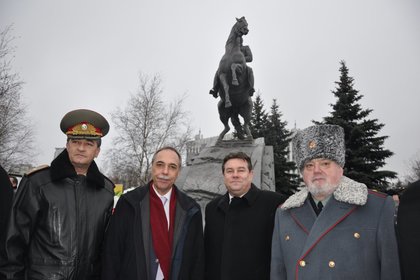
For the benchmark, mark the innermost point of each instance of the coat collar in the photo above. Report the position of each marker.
(139, 194)
(61, 168)
(348, 191)
(250, 197)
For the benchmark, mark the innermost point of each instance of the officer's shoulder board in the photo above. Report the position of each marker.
(36, 169)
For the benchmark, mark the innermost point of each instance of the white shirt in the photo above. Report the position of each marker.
(231, 196)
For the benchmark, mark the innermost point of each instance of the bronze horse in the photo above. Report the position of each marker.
(235, 90)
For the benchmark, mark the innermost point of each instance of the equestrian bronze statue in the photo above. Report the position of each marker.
(234, 83)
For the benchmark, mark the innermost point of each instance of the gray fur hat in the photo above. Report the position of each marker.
(319, 141)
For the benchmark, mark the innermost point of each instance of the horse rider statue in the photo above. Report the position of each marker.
(247, 55)
(234, 83)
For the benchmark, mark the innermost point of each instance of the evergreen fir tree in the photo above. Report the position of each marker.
(278, 136)
(258, 118)
(365, 153)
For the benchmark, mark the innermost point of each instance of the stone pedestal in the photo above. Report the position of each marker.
(202, 179)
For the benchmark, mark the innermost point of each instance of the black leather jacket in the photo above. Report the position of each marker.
(57, 224)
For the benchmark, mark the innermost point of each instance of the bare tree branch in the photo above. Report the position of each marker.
(147, 123)
(16, 134)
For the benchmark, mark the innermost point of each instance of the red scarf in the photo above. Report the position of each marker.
(162, 238)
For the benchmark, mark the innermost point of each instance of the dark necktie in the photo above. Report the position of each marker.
(319, 205)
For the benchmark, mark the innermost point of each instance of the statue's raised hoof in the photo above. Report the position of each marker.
(228, 104)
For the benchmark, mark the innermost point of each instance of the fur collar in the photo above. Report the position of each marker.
(348, 191)
(61, 168)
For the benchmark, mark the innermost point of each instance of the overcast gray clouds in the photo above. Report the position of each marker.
(88, 54)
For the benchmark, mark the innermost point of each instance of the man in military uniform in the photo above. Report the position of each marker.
(60, 212)
(334, 228)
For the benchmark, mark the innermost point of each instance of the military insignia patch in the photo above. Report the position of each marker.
(312, 144)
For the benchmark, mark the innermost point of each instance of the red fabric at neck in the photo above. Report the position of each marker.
(162, 238)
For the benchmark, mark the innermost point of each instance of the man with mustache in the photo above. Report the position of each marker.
(156, 230)
(335, 227)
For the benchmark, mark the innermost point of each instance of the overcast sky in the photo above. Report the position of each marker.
(88, 54)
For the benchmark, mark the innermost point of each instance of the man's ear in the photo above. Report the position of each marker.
(97, 152)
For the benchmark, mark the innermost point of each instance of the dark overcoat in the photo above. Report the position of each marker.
(57, 224)
(129, 253)
(352, 238)
(238, 236)
(6, 197)
(408, 225)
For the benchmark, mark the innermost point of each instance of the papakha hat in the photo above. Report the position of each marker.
(84, 124)
(319, 141)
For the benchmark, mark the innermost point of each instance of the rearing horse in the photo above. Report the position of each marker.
(235, 90)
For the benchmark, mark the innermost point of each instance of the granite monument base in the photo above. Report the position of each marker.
(202, 178)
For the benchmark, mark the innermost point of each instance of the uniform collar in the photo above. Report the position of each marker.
(348, 191)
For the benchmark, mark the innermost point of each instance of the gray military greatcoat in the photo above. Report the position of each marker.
(352, 238)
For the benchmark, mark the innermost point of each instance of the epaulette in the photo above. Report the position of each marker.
(36, 169)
